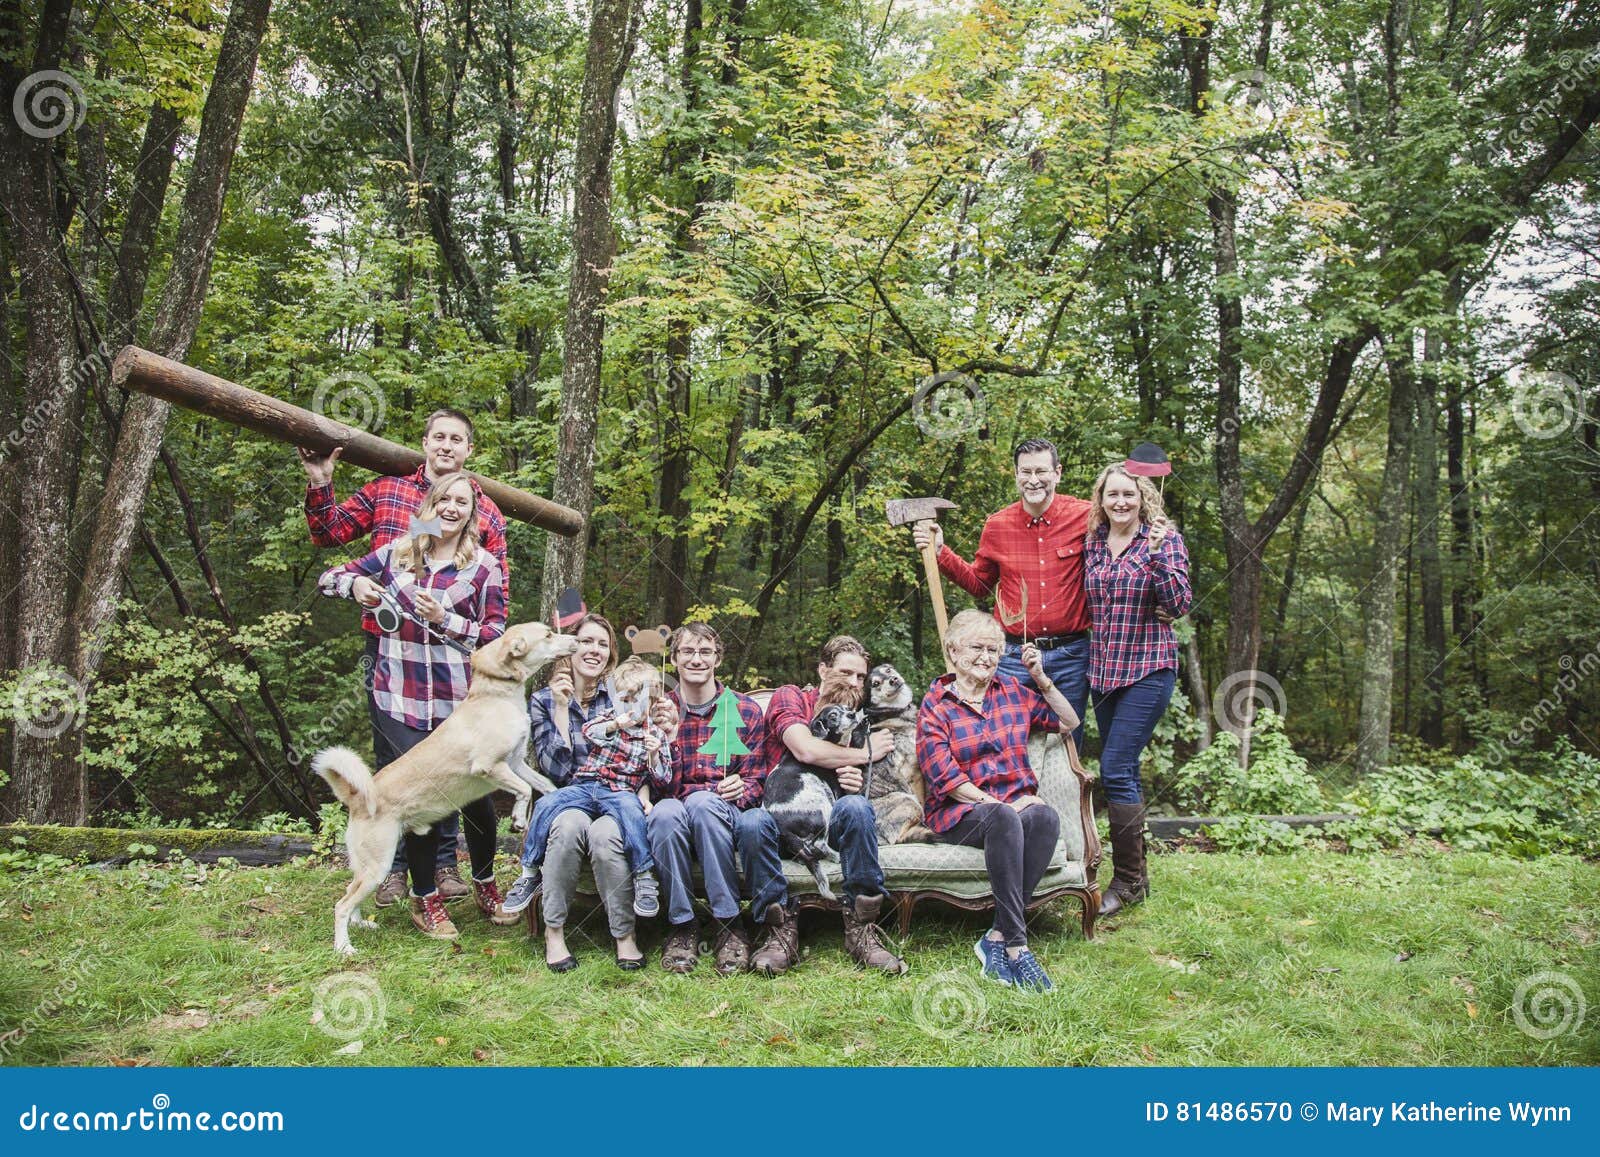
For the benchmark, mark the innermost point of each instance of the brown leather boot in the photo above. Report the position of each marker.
(1129, 881)
(861, 937)
(732, 948)
(780, 950)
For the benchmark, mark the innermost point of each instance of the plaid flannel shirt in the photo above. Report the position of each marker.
(420, 678)
(554, 755)
(617, 757)
(789, 705)
(956, 745)
(1129, 642)
(1045, 552)
(383, 508)
(694, 770)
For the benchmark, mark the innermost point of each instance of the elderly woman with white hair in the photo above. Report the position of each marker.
(972, 745)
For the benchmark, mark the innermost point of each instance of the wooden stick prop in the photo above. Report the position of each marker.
(181, 385)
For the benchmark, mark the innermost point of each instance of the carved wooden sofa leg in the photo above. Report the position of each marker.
(533, 917)
(907, 901)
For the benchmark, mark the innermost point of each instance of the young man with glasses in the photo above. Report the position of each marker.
(710, 809)
(1030, 562)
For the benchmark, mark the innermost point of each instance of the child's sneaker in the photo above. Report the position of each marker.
(522, 893)
(992, 955)
(646, 896)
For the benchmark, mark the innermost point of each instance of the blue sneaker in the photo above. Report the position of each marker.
(992, 955)
(1027, 972)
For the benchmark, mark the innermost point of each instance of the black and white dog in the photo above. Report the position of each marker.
(800, 797)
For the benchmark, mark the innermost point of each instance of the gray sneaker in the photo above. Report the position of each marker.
(646, 895)
(521, 894)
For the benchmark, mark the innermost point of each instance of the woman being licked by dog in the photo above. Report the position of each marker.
(436, 594)
(972, 746)
(579, 693)
(1135, 565)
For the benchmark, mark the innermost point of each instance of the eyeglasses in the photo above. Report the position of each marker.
(988, 649)
(696, 654)
(1035, 473)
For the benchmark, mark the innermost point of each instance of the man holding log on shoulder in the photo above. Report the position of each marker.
(1030, 561)
(384, 508)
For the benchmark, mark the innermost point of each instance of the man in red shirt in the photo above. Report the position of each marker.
(1030, 562)
(383, 509)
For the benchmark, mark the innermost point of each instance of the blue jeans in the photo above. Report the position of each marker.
(1127, 717)
(593, 799)
(391, 739)
(1068, 668)
(853, 833)
(681, 830)
(756, 835)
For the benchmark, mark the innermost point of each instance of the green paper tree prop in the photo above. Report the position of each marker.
(724, 741)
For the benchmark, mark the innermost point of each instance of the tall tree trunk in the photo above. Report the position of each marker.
(1464, 558)
(1388, 540)
(613, 26)
(1431, 729)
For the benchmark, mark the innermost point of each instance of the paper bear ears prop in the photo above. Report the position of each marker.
(1148, 461)
(650, 640)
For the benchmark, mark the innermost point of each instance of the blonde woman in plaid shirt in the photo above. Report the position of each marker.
(1135, 564)
(447, 595)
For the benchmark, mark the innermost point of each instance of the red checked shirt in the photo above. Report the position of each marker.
(1129, 642)
(383, 508)
(419, 677)
(1046, 553)
(956, 745)
(694, 770)
(617, 757)
(789, 705)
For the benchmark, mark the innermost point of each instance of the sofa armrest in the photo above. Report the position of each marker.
(1067, 787)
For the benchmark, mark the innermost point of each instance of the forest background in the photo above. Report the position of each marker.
(727, 274)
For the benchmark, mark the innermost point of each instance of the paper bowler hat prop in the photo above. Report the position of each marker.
(1148, 461)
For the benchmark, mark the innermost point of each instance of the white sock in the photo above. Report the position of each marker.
(528, 873)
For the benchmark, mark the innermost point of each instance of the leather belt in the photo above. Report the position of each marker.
(1048, 642)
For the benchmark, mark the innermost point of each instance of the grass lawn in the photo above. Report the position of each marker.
(1315, 958)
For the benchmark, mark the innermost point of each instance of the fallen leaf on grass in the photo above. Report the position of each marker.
(490, 950)
(1464, 985)
(1181, 966)
(480, 1054)
(318, 1016)
(1472, 1010)
(779, 1039)
(1307, 923)
(1148, 1053)
(188, 1018)
(350, 1049)
(716, 1012)
(441, 1041)
(1402, 957)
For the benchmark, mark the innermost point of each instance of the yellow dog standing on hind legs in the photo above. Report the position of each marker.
(477, 749)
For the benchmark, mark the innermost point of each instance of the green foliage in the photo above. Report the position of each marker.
(1278, 782)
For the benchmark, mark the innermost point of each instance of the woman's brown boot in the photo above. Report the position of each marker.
(1129, 881)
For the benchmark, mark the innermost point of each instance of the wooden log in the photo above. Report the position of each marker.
(1171, 827)
(139, 369)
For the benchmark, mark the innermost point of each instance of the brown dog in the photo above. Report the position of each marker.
(477, 749)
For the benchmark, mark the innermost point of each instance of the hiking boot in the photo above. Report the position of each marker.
(861, 937)
(732, 948)
(1129, 881)
(486, 893)
(428, 914)
(780, 951)
(391, 890)
(451, 886)
(681, 952)
(646, 895)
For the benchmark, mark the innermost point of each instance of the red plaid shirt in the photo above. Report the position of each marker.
(383, 508)
(1046, 553)
(956, 745)
(1129, 642)
(420, 678)
(694, 771)
(617, 758)
(789, 705)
